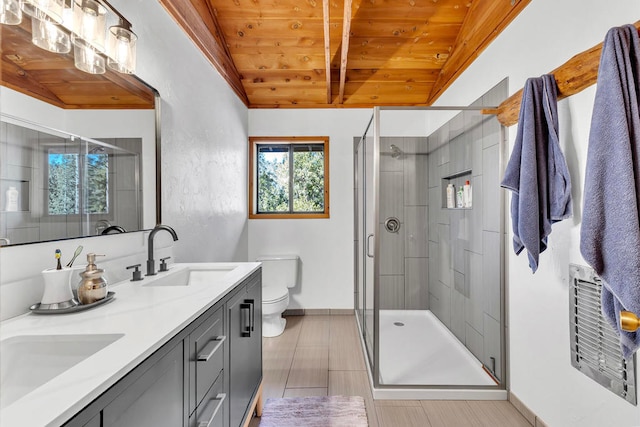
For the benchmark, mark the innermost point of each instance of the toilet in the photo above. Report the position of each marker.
(279, 273)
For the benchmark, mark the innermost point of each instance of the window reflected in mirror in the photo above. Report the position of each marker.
(64, 183)
(56, 186)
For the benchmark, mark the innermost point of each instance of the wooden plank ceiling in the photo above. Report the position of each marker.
(342, 53)
(53, 78)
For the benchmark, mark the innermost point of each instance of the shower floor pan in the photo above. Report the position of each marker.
(416, 349)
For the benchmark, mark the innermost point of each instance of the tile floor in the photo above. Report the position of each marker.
(321, 355)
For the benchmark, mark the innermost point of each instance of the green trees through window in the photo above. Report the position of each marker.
(291, 179)
(64, 176)
(64, 179)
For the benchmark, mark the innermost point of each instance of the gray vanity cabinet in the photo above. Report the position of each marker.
(154, 399)
(94, 422)
(208, 374)
(245, 346)
(207, 356)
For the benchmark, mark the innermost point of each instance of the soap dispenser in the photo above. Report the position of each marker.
(92, 287)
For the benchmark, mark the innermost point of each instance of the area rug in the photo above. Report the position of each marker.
(315, 411)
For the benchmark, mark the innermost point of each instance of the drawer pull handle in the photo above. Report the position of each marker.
(207, 419)
(252, 313)
(246, 319)
(211, 347)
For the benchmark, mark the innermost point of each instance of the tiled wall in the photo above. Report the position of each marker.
(403, 195)
(23, 165)
(464, 244)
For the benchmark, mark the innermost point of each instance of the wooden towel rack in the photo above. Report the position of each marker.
(572, 77)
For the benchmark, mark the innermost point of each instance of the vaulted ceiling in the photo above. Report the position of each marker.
(290, 53)
(342, 53)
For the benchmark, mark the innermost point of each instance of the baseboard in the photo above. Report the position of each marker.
(533, 419)
(319, 312)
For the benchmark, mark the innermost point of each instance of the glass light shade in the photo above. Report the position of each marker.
(10, 12)
(67, 15)
(49, 36)
(90, 23)
(121, 50)
(87, 59)
(45, 10)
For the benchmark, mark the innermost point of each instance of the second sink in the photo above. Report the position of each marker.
(29, 361)
(189, 276)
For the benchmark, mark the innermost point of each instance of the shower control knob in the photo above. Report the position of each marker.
(392, 224)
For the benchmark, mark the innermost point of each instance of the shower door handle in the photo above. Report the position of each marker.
(369, 254)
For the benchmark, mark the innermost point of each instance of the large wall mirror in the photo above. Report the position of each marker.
(77, 150)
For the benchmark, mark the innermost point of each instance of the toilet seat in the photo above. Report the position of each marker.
(274, 294)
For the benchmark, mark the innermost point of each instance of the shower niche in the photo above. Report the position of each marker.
(457, 181)
(439, 273)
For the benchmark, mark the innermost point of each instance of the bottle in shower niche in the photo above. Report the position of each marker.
(451, 196)
(460, 198)
(466, 194)
(12, 200)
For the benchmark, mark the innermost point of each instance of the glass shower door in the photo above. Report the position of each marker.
(364, 225)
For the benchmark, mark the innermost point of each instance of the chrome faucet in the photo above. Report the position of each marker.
(115, 228)
(101, 224)
(151, 267)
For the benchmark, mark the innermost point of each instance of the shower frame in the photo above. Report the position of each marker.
(372, 356)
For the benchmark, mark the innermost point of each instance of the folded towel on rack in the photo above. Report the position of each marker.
(537, 172)
(610, 233)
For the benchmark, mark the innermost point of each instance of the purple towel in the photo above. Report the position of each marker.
(610, 233)
(537, 171)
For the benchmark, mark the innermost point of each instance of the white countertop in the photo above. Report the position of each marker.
(147, 316)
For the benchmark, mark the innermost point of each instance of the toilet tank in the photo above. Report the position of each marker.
(280, 270)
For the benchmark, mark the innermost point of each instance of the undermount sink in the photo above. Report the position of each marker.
(29, 361)
(186, 276)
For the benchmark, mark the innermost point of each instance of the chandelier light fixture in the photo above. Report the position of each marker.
(99, 34)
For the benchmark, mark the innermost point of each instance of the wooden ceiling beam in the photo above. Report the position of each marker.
(199, 22)
(575, 75)
(346, 30)
(327, 48)
(482, 24)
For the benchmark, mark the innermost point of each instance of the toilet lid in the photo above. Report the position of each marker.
(274, 293)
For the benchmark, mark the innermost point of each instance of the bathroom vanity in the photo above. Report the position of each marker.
(183, 348)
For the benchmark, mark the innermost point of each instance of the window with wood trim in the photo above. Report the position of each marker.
(289, 177)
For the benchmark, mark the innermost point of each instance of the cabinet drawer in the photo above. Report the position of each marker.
(207, 356)
(210, 412)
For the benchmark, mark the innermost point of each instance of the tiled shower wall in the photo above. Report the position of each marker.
(403, 195)
(23, 165)
(464, 244)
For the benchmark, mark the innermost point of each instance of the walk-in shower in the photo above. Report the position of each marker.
(429, 285)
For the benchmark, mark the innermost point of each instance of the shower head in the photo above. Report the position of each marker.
(96, 149)
(395, 151)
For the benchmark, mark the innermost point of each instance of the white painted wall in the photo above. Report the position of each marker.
(545, 35)
(204, 139)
